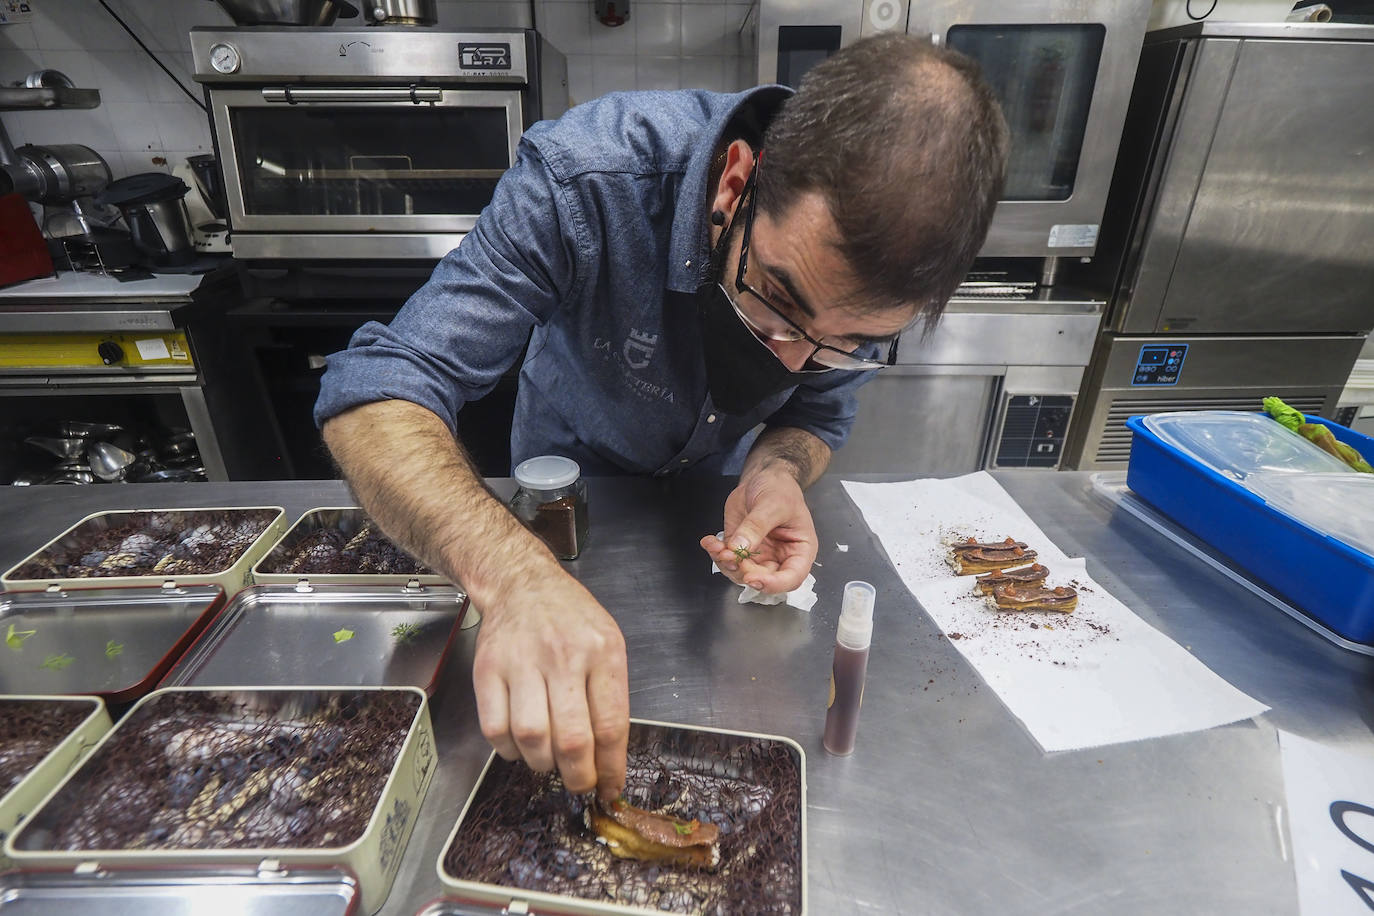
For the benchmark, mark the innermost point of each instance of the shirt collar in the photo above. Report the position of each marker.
(690, 245)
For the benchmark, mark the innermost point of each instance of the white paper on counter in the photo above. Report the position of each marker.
(1327, 840)
(1100, 675)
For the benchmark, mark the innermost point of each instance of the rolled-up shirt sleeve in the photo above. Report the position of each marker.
(463, 329)
(827, 405)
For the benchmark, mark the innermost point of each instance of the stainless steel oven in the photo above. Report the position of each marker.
(368, 144)
(1062, 70)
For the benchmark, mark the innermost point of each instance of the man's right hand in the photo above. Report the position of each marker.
(550, 670)
(551, 683)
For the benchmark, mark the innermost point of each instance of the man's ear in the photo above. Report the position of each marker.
(739, 163)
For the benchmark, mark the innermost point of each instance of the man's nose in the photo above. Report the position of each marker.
(791, 353)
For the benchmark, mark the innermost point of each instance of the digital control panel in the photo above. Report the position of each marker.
(1159, 364)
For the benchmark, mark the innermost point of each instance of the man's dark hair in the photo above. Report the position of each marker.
(906, 143)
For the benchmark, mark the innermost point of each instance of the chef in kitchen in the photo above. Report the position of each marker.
(709, 279)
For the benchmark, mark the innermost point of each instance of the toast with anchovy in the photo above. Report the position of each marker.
(1023, 578)
(969, 557)
(1061, 599)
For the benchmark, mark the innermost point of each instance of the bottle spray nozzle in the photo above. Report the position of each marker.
(855, 630)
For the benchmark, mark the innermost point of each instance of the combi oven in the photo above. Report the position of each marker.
(1062, 70)
(368, 144)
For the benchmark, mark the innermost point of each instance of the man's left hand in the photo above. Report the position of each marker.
(766, 516)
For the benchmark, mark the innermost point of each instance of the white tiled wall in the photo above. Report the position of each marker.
(146, 123)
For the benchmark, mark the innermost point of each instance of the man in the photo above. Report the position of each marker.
(694, 266)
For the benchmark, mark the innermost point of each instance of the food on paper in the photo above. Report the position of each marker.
(1061, 599)
(1024, 577)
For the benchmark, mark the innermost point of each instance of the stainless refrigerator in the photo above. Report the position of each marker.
(1238, 244)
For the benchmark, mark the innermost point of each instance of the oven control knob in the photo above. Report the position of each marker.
(110, 352)
(224, 58)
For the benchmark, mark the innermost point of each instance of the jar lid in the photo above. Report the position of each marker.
(547, 472)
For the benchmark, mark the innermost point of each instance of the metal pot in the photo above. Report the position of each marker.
(402, 12)
(288, 12)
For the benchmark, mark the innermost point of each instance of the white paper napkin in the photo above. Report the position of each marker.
(1100, 675)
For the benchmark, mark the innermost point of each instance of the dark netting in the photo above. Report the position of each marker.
(524, 830)
(334, 551)
(30, 729)
(224, 770)
(151, 543)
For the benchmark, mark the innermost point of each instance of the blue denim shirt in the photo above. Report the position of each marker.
(596, 238)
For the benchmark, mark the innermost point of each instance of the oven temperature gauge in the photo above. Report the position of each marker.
(224, 58)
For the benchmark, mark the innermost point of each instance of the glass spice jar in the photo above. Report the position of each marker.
(552, 502)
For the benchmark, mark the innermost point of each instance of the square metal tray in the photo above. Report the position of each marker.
(116, 643)
(717, 761)
(373, 857)
(231, 578)
(347, 520)
(55, 765)
(277, 635)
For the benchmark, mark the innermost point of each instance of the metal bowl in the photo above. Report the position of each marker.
(288, 12)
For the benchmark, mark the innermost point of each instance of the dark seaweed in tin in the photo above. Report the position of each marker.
(172, 543)
(30, 729)
(332, 551)
(212, 770)
(524, 830)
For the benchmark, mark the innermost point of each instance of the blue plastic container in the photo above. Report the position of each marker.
(1323, 577)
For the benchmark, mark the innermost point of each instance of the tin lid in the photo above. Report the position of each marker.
(111, 642)
(547, 472)
(267, 889)
(365, 635)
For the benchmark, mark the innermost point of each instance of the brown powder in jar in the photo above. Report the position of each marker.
(556, 524)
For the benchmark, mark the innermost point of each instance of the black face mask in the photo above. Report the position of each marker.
(741, 372)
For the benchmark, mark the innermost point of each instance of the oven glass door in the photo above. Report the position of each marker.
(1044, 76)
(350, 159)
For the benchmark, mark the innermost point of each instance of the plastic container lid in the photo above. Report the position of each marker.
(1239, 444)
(547, 472)
(1338, 505)
(855, 630)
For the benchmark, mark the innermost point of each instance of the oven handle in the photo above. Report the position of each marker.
(416, 95)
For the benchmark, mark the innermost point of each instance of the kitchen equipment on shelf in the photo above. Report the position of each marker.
(288, 12)
(53, 173)
(368, 143)
(401, 12)
(23, 255)
(154, 207)
(1220, 297)
(205, 202)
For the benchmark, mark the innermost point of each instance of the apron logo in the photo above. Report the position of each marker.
(639, 349)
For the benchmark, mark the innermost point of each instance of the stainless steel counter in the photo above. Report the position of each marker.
(946, 806)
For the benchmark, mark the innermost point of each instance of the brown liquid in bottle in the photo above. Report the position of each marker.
(846, 696)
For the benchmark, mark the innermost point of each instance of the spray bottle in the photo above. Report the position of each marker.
(852, 639)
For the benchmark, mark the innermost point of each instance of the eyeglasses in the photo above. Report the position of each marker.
(767, 320)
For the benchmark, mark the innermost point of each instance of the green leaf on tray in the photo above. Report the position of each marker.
(343, 635)
(57, 662)
(113, 648)
(15, 638)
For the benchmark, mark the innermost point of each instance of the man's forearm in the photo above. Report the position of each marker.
(413, 479)
(802, 454)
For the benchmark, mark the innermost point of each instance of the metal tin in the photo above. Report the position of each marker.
(374, 857)
(115, 643)
(265, 889)
(231, 579)
(278, 635)
(477, 897)
(346, 519)
(54, 766)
